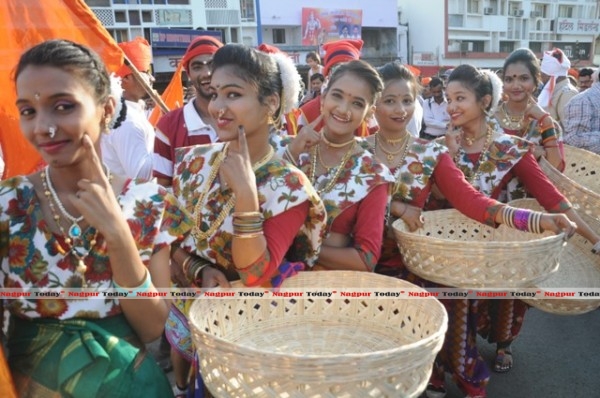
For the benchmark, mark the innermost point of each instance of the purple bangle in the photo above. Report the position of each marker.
(521, 219)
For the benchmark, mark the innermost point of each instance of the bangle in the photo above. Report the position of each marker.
(134, 290)
(197, 266)
(405, 209)
(247, 214)
(244, 235)
(507, 216)
(596, 248)
(186, 264)
(540, 120)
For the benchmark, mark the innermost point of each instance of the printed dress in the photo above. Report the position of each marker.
(33, 257)
(294, 221)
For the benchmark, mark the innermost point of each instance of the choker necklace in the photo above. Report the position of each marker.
(197, 232)
(395, 141)
(334, 145)
(328, 183)
(469, 141)
(74, 236)
(510, 121)
(389, 154)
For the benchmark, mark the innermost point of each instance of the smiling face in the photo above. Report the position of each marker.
(463, 106)
(199, 72)
(396, 106)
(235, 102)
(49, 96)
(346, 104)
(519, 83)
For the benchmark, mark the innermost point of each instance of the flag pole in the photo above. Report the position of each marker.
(151, 92)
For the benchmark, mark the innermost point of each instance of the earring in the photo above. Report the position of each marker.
(270, 118)
(107, 120)
(52, 132)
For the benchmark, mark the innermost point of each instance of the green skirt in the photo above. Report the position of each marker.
(82, 358)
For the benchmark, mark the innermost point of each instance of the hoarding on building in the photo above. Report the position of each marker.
(320, 25)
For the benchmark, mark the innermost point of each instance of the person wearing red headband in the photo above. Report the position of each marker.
(127, 149)
(191, 124)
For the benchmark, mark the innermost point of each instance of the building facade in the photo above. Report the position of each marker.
(483, 32)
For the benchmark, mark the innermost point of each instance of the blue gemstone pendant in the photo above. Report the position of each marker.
(75, 231)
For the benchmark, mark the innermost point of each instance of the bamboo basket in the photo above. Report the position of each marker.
(319, 347)
(454, 250)
(579, 268)
(580, 182)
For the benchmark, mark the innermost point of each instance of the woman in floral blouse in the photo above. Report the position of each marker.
(74, 225)
(352, 183)
(257, 218)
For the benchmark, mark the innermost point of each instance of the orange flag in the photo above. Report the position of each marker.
(23, 24)
(6, 385)
(172, 96)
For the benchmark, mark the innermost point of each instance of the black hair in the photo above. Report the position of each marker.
(317, 76)
(436, 81)
(396, 71)
(586, 72)
(254, 67)
(363, 71)
(475, 80)
(315, 56)
(72, 57)
(527, 58)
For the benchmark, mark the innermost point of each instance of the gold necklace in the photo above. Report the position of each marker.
(471, 140)
(473, 176)
(197, 232)
(74, 237)
(389, 154)
(394, 141)
(329, 184)
(333, 145)
(510, 121)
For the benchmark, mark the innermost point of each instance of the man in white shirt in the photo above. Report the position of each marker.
(128, 148)
(435, 113)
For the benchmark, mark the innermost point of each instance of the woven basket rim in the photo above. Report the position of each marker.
(400, 226)
(334, 358)
(547, 167)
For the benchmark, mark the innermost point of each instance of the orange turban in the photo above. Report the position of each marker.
(341, 51)
(199, 46)
(139, 53)
(425, 81)
(268, 49)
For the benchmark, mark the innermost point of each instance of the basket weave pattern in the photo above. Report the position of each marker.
(579, 268)
(319, 347)
(580, 182)
(454, 250)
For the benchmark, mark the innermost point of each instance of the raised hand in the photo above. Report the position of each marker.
(236, 170)
(95, 199)
(453, 137)
(534, 111)
(306, 138)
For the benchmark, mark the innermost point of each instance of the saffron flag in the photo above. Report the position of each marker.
(6, 385)
(23, 24)
(172, 96)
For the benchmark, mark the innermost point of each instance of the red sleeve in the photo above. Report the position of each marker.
(461, 195)
(370, 220)
(537, 184)
(280, 231)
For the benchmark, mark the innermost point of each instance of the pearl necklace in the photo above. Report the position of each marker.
(74, 237)
(334, 145)
(329, 184)
(196, 231)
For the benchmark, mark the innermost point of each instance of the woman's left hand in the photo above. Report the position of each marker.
(558, 223)
(236, 169)
(534, 111)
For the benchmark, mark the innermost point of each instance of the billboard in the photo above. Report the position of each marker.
(320, 25)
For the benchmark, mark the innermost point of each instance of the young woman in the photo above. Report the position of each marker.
(351, 182)
(314, 62)
(417, 164)
(489, 159)
(257, 217)
(520, 114)
(74, 225)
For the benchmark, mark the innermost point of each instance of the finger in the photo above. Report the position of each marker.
(222, 281)
(99, 175)
(242, 143)
(313, 125)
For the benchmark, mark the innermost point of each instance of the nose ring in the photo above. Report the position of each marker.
(348, 114)
(221, 112)
(51, 132)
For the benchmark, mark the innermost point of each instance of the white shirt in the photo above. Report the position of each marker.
(436, 117)
(128, 150)
(415, 123)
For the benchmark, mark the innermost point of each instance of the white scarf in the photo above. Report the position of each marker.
(553, 68)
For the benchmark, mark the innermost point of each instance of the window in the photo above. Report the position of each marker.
(278, 36)
(160, 1)
(147, 16)
(478, 46)
(120, 17)
(120, 35)
(247, 10)
(98, 3)
(118, 1)
(473, 6)
(565, 12)
(507, 46)
(181, 2)
(134, 17)
(535, 46)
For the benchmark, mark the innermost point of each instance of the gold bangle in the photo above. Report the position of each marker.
(248, 235)
(246, 214)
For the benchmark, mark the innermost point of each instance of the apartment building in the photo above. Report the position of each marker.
(483, 32)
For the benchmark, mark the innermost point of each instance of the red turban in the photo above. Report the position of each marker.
(268, 49)
(199, 46)
(138, 51)
(341, 51)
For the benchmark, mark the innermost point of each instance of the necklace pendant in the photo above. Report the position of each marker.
(81, 267)
(74, 231)
(390, 157)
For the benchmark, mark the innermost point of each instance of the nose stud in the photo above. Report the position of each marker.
(221, 113)
(51, 132)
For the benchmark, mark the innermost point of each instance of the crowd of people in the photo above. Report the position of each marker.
(253, 181)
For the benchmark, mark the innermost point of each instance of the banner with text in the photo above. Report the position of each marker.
(320, 25)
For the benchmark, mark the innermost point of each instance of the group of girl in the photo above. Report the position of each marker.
(256, 207)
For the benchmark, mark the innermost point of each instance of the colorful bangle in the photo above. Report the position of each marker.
(134, 290)
(521, 220)
(540, 120)
(548, 134)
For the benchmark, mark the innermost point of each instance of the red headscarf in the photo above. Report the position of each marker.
(341, 51)
(199, 46)
(139, 53)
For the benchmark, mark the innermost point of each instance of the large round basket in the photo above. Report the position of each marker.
(317, 346)
(580, 182)
(579, 271)
(454, 250)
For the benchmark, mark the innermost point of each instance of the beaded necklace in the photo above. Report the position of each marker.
(197, 232)
(74, 237)
(329, 184)
(473, 176)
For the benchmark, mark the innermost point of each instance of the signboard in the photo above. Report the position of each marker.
(320, 25)
(573, 26)
(424, 59)
(174, 17)
(575, 51)
(177, 38)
